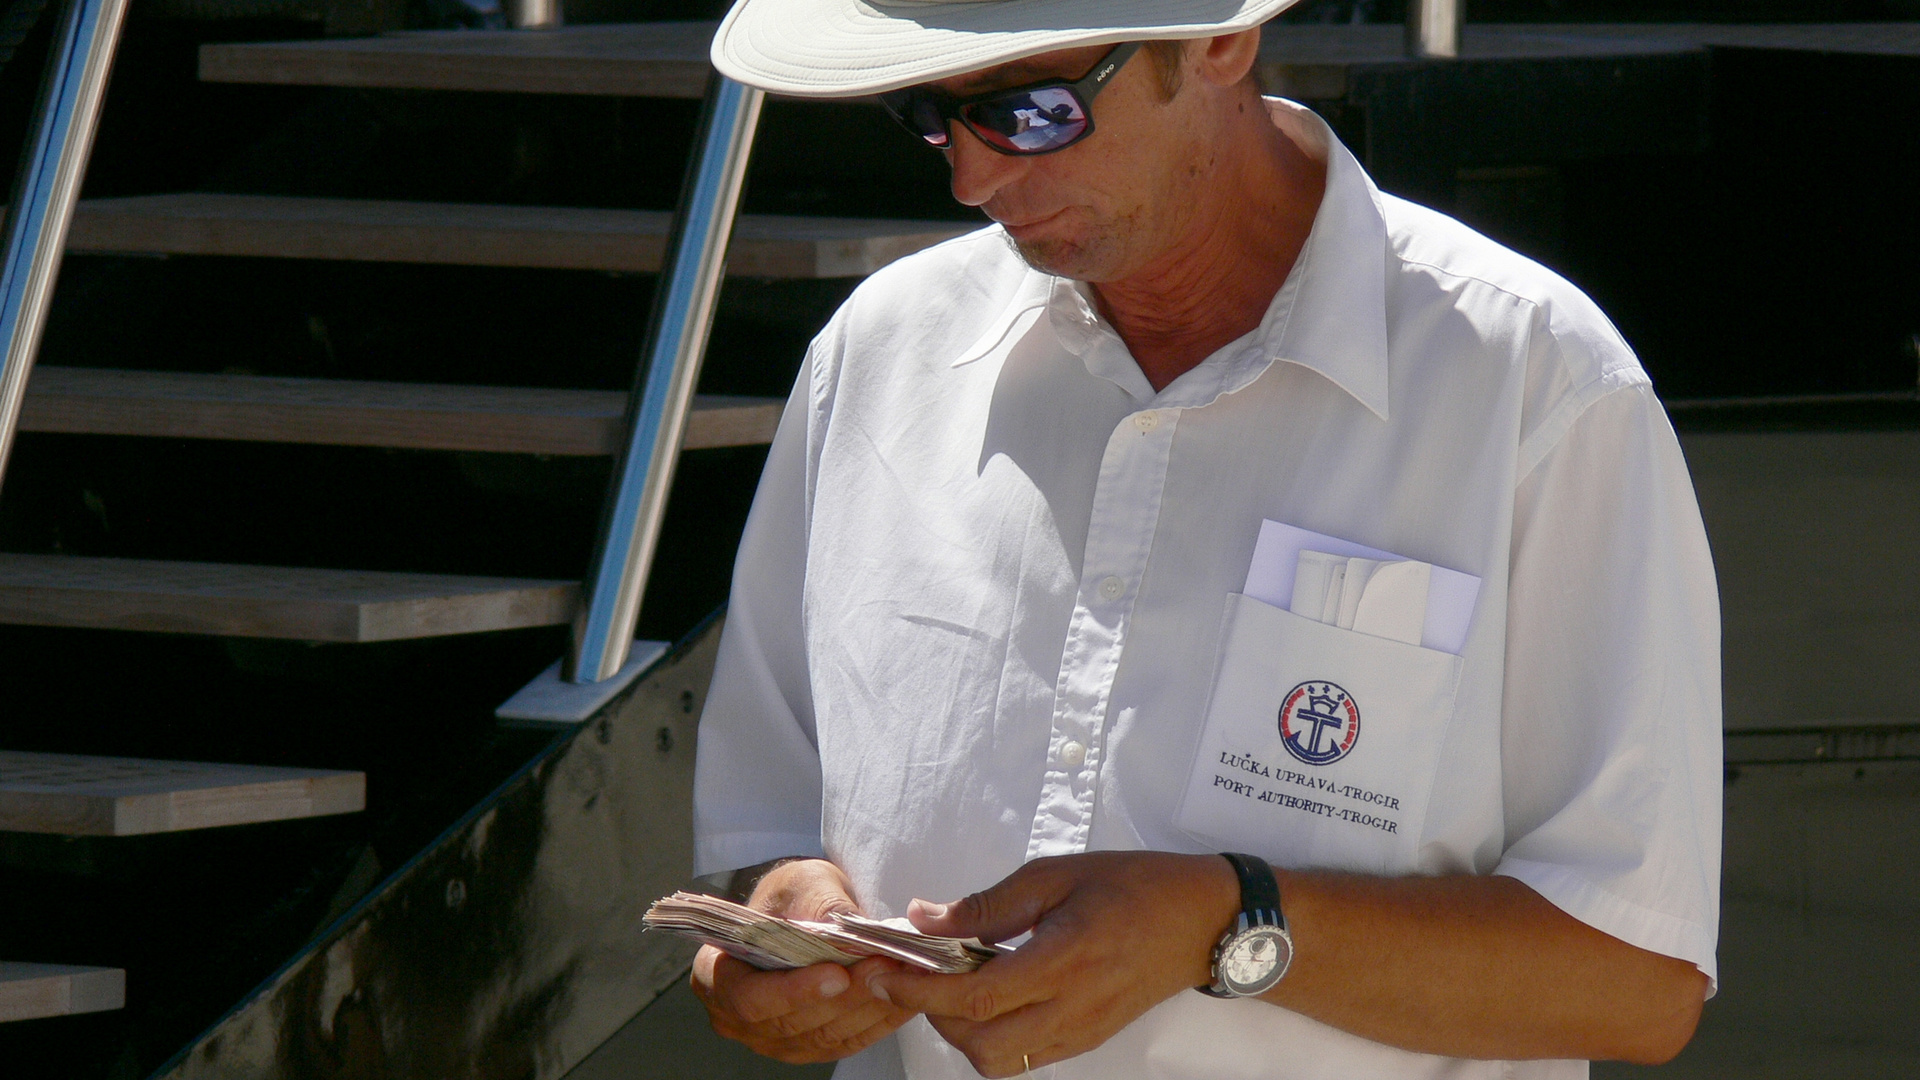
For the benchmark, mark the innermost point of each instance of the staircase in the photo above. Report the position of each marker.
(97, 409)
(36, 991)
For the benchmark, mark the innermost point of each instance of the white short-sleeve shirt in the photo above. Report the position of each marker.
(979, 606)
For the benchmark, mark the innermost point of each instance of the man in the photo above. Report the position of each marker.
(996, 603)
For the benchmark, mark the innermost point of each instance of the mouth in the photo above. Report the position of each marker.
(1021, 229)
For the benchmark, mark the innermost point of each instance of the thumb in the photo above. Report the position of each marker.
(1006, 910)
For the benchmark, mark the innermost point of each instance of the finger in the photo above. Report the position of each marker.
(1031, 1029)
(997, 988)
(1003, 1048)
(757, 996)
(1054, 961)
(848, 1026)
(714, 971)
(1006, 910)
(803, 889)
(825, 1031)
(845, 1036)
(806, 1016)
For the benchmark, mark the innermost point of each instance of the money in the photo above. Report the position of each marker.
(776, 944)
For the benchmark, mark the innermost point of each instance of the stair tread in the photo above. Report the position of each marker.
(660, 59)
(239, 600)
(670, 59)
(79, 795)
(1864, 38)
(479, 234)
(339, 412)
(33, 991)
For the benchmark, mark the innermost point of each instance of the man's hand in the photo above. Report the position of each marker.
(1114, 934)
(819, 1013)
(1461, 966)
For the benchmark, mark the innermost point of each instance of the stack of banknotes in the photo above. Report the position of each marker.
(772, 943)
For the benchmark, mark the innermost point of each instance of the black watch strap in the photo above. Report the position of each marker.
(1259, 890)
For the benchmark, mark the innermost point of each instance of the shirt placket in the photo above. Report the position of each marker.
(1126, 510)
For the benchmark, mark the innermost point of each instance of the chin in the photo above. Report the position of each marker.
(1075, 259)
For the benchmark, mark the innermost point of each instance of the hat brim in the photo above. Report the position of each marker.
(846, 48)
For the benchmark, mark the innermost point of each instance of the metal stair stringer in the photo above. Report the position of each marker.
(510, 946)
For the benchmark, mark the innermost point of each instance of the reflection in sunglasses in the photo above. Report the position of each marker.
(1035, 119)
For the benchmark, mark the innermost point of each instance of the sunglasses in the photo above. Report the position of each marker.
(1038, 118)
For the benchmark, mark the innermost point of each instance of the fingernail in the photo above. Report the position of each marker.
(834, 983)
(932, 910)
(874, 988)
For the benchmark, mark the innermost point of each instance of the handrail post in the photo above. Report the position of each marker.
(47, 186)
(676, 344)
(1433, 28)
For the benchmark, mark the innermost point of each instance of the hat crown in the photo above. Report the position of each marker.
(847, 48)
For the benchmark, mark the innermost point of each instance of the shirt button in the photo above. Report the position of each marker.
(1073, 753)
(1112, 587)
(1146, 421)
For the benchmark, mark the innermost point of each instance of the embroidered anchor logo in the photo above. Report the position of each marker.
(1319, 722)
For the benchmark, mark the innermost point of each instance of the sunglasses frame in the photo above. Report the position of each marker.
(951, 109)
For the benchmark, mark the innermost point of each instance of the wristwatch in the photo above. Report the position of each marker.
(1254, 952)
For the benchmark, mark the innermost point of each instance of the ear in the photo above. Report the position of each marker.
(1226, 59)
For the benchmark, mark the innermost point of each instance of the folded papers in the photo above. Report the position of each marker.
(1383, 597)
(776, 944)
(1451, 595)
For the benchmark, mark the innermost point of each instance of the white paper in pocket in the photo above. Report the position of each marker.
(1451, 595)
(1319, 745)
(1385, 598)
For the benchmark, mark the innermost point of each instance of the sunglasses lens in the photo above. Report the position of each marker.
(1030, 122)
(918, 112)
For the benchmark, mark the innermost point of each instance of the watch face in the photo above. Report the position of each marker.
(1254, 960)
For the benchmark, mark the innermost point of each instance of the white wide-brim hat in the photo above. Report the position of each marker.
(845, 48)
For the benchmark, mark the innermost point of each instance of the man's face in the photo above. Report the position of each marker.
(1106, 206)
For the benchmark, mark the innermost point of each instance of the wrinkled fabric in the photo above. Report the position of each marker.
(979, 600)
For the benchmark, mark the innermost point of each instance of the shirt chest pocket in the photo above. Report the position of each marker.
(1319, 745)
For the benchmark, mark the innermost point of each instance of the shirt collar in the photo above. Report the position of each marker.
(1329, 316)
(1335, 300)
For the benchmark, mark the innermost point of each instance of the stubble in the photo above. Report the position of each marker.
(1101, 253)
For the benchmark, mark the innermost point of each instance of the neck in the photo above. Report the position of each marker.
(1258, 194)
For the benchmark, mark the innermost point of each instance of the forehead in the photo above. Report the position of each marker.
(1059, 64)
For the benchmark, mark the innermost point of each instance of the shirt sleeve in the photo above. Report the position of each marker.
(756, 787)
(1611, 735)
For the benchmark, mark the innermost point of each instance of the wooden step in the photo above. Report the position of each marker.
(420, 416)
(105, 796)
(659, 60)
(1858, 38)
(1316, 61)
(670, 59)
(473, 234)
(270, 601)
(32, 991)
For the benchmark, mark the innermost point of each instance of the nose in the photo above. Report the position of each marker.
(979, 172)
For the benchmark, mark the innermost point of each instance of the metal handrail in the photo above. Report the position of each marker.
(1433, 28)
(46, 188)
(663, 392)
